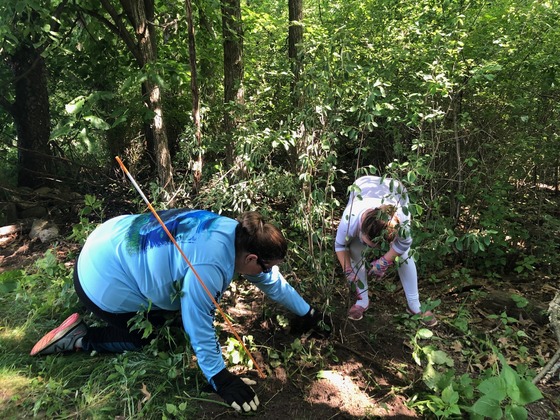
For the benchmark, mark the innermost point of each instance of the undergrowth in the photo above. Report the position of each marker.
(163, 381)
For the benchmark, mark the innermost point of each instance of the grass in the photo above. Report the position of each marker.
(152, 383)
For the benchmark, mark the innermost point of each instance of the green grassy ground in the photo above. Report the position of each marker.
(154, 383)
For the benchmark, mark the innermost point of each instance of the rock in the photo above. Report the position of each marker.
(44, 230)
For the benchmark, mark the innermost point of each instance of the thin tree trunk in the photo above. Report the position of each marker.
(232, 31)
(457, 210)
(195, 94)
(295, 38)
(143, 46)
(556, 177)
(31, 113)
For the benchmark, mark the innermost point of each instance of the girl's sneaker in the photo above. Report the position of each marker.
(356, 312)
(427, 318)
(62, 339)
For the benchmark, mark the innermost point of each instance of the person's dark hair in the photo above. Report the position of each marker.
(255, 236)
(377, 223)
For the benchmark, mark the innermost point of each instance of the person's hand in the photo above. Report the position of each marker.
(378, 267)
(310, 321)
(235, 391)
(351, 275)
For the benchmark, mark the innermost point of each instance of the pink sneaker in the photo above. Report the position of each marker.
(62, 338)
(427, 318)
(356, 312)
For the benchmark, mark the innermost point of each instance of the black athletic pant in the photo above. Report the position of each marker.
(116, 337)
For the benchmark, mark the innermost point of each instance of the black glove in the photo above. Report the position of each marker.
(235, 392)
(310, 321)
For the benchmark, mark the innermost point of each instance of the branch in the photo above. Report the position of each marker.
(549, 370)
(554, 364)
(55, 18)
(118, 27)
(554, 314)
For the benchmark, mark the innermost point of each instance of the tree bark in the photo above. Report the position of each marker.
(195, 93)
(31, 113)
(143, 46)
(30, 109)
(295, 38)
(232, 30)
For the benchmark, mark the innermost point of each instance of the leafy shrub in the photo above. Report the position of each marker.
(500, 392)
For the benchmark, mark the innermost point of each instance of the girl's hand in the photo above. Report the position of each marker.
(379, 266)
(351, 275)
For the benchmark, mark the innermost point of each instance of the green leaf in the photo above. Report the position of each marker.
(9, 280)
(510, 378)
(516, 412)
(474, 247)
(416, 358)
(435, 380)
(449, 395)
(430, 377)
(76, 105)
(61, 131)
(424, 333)
(418, 209)
(528, 392)
(411, 177)
(171, 408)
(97, 122)
(520, 301)
(494, 388)
(487, 407)
(440, 357)
(454, 409)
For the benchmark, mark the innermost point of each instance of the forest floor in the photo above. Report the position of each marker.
(366, 369)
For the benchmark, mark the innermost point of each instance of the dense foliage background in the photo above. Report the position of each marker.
(459, 99)
(286, 104)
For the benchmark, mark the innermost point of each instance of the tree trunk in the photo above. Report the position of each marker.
(31, 116)
(160, 149)
(295, 38)
(195, 94)
(232, 31)
(140, 13)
